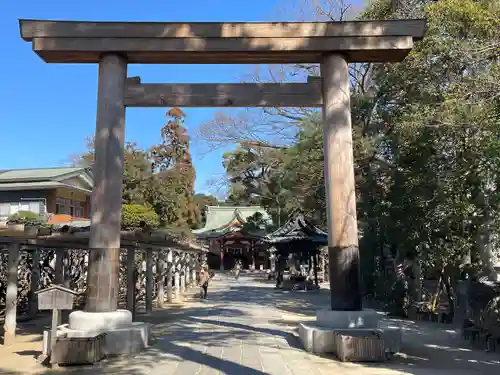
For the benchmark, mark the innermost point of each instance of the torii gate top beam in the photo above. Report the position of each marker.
(222, 43)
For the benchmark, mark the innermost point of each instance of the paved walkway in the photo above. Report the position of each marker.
(248, 328)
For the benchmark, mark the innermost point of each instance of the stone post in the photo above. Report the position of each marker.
(345, 286)
(323, 266)
(149, 280)
(104, 242)
(188, 276)
(170, 267)
(161, 278)
(131, 281)
(193, 271)
(177, 279)
(11, 295)
(35, 282)
(183, 274)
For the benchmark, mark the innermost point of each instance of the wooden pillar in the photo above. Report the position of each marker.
(343, 252)
(222, 256)
(104, 242)
(272, 262)
(170, 275)
(280, 269)
(131, 281)
(161, 279)
(11, 295)
(315, 270)
(149, 280)
(35, 282)
(252, 253)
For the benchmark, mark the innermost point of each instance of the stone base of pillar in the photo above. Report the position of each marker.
(122, 335)
(348, 319)
(320, 336)
(9, 338)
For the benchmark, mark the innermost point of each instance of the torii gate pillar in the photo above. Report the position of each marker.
(343, 253)
(104, 245)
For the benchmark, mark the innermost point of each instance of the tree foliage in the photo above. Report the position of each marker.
(202, 201)
(158, 183)
(175, 174)
(426, 135)
(136, 216)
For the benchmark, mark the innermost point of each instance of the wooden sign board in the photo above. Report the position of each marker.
(56, 297)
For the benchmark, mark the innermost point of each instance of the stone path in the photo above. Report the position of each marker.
(248, 328)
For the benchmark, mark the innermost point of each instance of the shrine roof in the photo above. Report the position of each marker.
(222, 220)
(297, 228)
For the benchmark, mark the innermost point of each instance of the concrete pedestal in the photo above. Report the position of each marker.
(319, 337)
(122, 335)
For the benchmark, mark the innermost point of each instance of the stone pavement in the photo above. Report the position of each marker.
(246, 327)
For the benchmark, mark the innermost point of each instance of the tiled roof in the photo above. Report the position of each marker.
(297, 228)
(220, 217)
(8, 186)
(36, 173)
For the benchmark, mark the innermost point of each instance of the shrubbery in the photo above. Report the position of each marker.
(27, 218)
(134, 214)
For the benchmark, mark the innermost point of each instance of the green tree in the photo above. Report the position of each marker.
(426, 142)
(202, 201)
(137, 171)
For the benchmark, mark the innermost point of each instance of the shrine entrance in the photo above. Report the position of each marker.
(114, 45)
(228, 241)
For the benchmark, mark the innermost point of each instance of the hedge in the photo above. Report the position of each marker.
(134, 214)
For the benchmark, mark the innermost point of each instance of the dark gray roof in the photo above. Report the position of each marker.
(297, 228)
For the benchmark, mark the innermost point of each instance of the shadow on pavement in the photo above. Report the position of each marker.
(210, 334)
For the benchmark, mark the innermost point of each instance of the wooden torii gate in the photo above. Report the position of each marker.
(113, 45)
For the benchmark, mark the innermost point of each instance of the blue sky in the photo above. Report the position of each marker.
(47, 110)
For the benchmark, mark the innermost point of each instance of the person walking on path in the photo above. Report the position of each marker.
(205, 278)
(237, 270)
